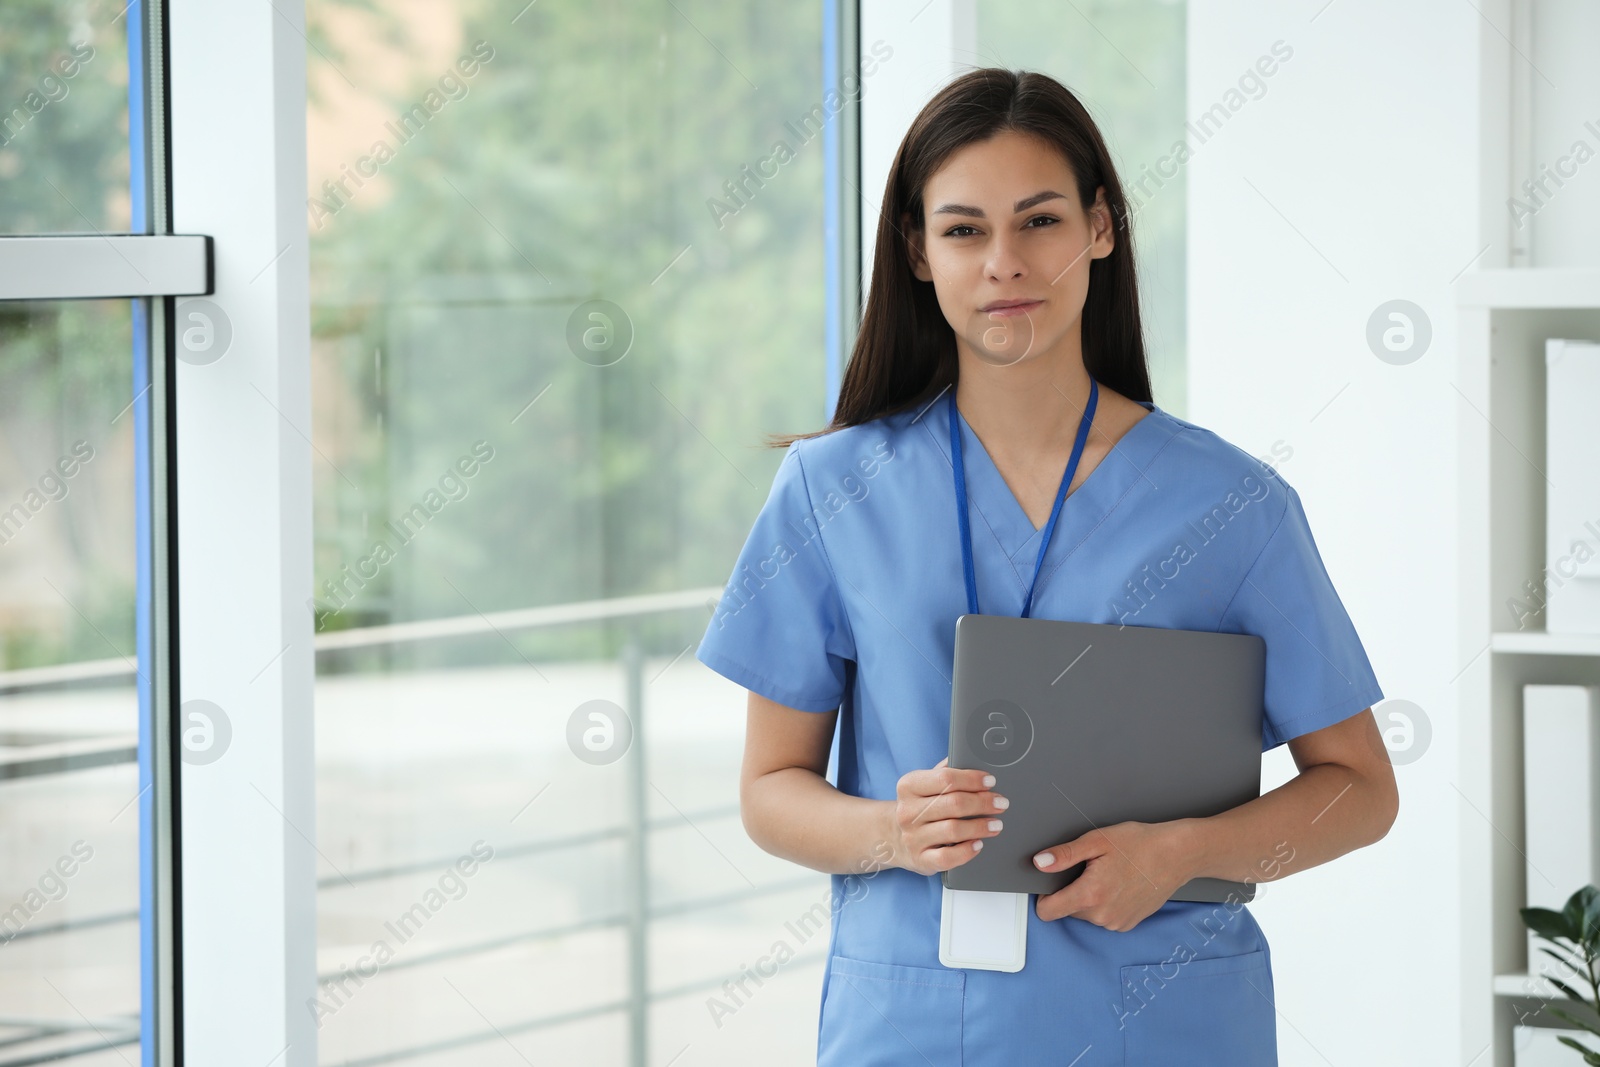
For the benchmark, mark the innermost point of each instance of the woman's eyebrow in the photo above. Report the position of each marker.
(1020, 206)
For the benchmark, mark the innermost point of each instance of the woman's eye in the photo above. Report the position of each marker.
(955, 231)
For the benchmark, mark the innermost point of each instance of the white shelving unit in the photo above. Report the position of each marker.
(1504, 318)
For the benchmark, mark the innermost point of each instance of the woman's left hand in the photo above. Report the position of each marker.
(1133, 868)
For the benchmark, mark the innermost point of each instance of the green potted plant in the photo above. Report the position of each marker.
(1575, 933)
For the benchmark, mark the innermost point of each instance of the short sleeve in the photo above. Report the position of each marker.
(1317, 673)
(780, 628)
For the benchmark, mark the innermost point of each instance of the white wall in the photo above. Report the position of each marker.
(1352, 181)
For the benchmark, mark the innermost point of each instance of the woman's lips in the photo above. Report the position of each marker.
(1015, 309)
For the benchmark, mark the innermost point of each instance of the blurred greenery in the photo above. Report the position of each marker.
(65, 367)
(63, 136)
(68, 570)
(442, 292)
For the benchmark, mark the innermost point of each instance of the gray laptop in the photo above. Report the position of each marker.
(1088, 724)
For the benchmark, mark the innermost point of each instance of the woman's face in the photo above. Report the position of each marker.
(1004, 225)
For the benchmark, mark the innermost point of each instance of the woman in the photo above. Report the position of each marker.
(1003, 315)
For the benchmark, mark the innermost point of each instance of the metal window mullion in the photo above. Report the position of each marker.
(170, 265)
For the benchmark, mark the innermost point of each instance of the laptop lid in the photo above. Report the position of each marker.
(1088, 724)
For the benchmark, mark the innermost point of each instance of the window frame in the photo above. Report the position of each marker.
(152, 267)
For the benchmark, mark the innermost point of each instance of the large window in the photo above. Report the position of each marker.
(563, 280)
(79, 787)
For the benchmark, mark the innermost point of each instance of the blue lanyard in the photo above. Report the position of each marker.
(1055, 512)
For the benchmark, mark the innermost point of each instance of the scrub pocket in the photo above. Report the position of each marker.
(1209, 1012)
(890, 1015)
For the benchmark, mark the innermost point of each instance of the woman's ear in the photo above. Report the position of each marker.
(1104, 239)
(915, 250)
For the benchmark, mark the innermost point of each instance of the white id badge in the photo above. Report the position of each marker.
(985, 931)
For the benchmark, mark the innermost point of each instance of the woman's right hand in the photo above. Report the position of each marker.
(929, 829)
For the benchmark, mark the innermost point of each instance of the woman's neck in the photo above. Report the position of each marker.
(1025, 408)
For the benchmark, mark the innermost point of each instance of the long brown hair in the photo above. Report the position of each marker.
(905, 351)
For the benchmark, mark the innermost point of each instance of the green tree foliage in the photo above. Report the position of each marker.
(580, 162)
(65, 367)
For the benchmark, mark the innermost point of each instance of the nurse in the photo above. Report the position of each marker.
(1003, 316)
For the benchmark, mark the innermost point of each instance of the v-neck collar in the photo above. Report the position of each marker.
(997, 510)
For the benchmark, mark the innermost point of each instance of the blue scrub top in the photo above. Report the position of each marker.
(845, 597)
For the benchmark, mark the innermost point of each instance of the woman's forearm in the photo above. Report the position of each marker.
(1321, 814)
(796, 814)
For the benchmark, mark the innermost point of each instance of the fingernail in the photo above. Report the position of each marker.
(1002, 803)
(988, 780)
(1043, 859)
(995, 824)
(977, 846)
